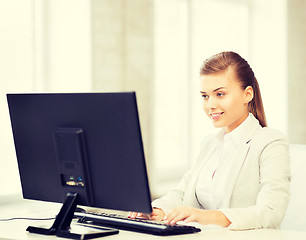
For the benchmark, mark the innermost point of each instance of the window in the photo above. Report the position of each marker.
(15, 75)
(185, 33)
(171, 86)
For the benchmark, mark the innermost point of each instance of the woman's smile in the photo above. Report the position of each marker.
(215, 116)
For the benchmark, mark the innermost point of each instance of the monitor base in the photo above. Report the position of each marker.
(61, 225)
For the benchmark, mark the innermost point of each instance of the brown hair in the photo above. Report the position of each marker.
(221, 62)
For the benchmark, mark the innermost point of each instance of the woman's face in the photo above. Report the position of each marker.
(224, 101)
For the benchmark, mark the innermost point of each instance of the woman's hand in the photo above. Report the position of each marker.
(186, 214)
(157, 214)
(190, 214)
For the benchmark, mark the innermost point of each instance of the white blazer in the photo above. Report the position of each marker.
(257, 187)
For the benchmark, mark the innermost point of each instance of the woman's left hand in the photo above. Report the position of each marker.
(190, 214)
(186, 214)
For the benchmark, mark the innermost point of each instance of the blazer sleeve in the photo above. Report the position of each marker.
(274, 186)
(175, 198)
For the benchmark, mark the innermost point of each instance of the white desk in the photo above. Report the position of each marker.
(16, 229)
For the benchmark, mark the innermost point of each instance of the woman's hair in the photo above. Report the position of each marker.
(221, 62)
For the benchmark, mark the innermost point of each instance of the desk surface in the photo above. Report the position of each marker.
(16, 229)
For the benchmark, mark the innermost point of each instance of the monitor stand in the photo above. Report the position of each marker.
(61, 225)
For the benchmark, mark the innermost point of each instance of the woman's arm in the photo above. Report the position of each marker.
(174, 198)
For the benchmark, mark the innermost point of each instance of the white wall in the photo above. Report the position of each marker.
(63, 45)
(296, 70)
(268, 57)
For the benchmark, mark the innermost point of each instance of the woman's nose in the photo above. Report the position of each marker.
(211, 103)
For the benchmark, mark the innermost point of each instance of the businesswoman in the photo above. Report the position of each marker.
(241, 178)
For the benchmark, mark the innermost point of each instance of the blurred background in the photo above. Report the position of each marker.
(153, 47)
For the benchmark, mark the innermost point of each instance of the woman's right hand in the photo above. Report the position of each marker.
(157, 214)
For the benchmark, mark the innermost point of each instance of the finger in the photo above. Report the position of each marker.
(157, 217)
(157, 214)
(179, 217)
(133, 215)
(189, 219)
(170, 216)
(143, 216)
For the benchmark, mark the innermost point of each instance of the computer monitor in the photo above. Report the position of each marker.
(80, 149)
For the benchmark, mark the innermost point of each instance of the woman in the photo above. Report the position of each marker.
(241, 179)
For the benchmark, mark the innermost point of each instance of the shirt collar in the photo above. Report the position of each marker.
(241, 134)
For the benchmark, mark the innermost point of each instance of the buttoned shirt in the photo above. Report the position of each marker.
(212, 180)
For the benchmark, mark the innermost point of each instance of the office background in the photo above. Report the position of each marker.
(153, 47)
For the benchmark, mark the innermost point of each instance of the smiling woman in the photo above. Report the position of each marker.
(228, 68)
(242, 175)
(230, 90)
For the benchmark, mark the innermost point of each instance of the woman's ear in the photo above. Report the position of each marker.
(249, 94)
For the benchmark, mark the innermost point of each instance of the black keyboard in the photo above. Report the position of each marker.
(137, 225)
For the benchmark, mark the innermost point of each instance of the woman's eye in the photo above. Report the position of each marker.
(220, 94)
(205, 96)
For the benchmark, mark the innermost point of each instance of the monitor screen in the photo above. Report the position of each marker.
(86, 143)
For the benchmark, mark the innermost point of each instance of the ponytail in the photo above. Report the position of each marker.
(256, 106)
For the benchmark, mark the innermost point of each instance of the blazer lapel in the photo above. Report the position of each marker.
(226, 180)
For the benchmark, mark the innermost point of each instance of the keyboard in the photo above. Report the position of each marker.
(138, 225)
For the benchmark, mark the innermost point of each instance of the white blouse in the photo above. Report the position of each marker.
(211, 184)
